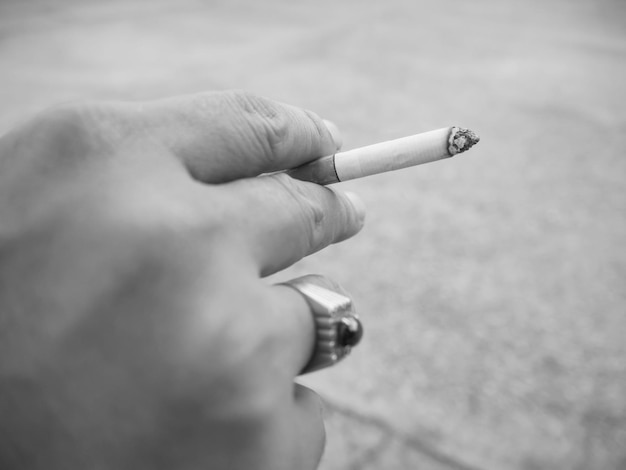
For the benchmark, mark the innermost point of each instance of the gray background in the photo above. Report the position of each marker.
(492, 285)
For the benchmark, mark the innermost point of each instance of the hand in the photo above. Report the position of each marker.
(135, 329)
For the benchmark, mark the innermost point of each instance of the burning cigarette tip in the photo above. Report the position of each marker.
(461, 139)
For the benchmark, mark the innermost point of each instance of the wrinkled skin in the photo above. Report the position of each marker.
(136, 331)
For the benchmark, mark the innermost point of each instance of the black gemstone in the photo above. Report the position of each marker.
(349, 331)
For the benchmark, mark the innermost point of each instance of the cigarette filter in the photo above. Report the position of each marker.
(387, 156)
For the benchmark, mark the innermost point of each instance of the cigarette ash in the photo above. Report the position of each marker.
(461, 140)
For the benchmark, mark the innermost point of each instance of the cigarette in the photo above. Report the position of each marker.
(387, 156)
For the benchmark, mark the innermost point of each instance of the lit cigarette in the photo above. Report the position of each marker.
(387, 156)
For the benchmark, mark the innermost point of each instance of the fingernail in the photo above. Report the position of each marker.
(358, 205)
(335, 134)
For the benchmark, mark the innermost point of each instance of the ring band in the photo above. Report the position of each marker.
(337, 326)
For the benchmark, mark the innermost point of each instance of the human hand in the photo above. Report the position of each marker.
(136, 331)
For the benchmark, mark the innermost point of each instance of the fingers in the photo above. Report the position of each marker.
(297, 329)
(310, 435)
(298, 332)
(282, 220)
(225, 136)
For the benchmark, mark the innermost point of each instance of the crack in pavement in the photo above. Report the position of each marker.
(370, 455)
(389, 434)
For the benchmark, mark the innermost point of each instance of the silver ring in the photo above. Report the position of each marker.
(337, 326)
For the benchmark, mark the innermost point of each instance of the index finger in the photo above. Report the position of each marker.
(225, 136)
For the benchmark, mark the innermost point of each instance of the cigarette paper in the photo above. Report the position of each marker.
(387, 156)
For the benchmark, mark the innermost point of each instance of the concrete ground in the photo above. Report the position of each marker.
(492, 285)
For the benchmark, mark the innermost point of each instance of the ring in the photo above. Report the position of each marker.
(337, 326)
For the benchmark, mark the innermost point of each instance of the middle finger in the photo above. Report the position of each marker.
(283, 220)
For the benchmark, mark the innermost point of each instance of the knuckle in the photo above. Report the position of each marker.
(59, 122)
(317, 130)
(109, 121)
(71, 130)
(66, 117)
(251, 103)
(268, 123)
(307, 209)
(307, 205)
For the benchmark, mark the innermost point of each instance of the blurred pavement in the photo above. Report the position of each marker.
(492, 285)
